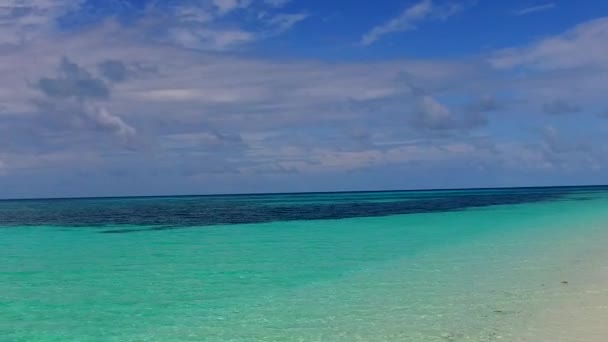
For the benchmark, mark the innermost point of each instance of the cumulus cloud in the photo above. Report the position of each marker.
(73, 82)
(103, 119)
(113, 70)
(410, 18)
(433, 115)
(73, 97)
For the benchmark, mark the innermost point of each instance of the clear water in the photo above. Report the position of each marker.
(476, 265)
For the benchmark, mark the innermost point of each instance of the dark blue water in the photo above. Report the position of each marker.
(160, 213)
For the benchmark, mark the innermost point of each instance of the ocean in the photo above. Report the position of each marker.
(448, 265)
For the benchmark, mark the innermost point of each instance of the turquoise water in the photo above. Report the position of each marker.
(426, 266)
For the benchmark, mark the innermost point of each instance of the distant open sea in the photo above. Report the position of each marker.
(453, 265)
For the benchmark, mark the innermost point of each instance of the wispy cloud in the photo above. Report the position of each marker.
(208, 39)
(25, 20)
(535, 9)
(584, 46)
(227, 24)
(225, 6)
(411, 17)
(277, 3)
(284, 22)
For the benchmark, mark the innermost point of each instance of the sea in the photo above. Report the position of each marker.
(442, 265)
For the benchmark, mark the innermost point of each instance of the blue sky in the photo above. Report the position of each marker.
(105, 98)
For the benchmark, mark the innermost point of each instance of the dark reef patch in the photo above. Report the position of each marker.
(125, 215)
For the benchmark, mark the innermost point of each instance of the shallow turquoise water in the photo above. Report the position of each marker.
(473, 274)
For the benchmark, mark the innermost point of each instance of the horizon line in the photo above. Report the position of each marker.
(299, 192)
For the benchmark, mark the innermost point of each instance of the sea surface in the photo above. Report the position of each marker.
(453, 265)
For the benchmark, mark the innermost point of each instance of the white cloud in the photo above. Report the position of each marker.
(73, 102)
(410, 17)
(25, 20)
(284, 22)
(586, 45)
(277, 3)
(188, 89)
(226, 6)
(433, 114)
(293, 116)
(193, 14)
(564, 73)
(403, 22)
(207, 39)
(535, 9)
(45, 160)
(508, 156)
(115, 124)
(222, 24)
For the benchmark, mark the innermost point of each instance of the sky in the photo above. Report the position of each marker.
(134, 97)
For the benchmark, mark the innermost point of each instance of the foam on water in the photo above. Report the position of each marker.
(485, 273)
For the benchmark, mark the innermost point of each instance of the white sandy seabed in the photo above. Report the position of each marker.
(573, 307)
